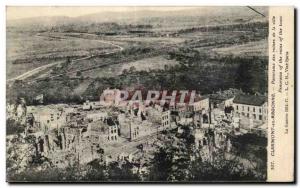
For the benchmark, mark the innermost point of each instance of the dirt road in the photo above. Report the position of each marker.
(41, 68)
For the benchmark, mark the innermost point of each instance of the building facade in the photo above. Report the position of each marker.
(251, 106)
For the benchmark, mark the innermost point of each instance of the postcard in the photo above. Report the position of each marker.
(147, 94)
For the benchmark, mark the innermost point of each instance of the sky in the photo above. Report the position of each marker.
(19, 12)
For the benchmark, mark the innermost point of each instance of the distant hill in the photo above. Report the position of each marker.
(198, 15)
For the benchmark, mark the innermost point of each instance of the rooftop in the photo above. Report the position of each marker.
(254, 100)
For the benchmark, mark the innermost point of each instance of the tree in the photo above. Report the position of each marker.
(221, 169)
(123, 172)
(78, 73)
(125, 71)
(161, 166)
(132, 69)
(95, 172)
(13, 127)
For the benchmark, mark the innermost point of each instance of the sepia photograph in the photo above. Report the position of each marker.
(138, 94)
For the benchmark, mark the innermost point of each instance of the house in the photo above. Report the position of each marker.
(124, 122)
(201, 119)
(217, 115)
(49, 117)
(228, 101)
(75, 119)
(132, 127)
(94, 116)
(180, 107)
(103, 132)
(186, 118)
(154, 114)
(251, 106)
(165, 119)
(221, 101)
(113, 131)
(199, 105)
(90, 105)
(199, 138)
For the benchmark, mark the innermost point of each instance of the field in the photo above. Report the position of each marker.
(175, 51)
(147, 64)
(257, 48)
(28, 50)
